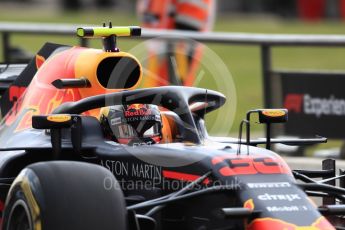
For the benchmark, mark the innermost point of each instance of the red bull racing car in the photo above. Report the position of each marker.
(82, 147)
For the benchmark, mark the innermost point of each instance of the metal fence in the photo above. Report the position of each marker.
(265, 41)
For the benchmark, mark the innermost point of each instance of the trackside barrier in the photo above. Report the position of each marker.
(278, 86)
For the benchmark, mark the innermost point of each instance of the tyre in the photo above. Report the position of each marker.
(65, 195)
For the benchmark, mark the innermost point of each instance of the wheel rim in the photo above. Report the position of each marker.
(19, 218)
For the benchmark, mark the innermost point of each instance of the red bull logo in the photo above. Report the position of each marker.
(135, 107)
(137, 110)
(140, 112)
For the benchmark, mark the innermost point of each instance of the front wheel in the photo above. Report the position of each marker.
(64, 195)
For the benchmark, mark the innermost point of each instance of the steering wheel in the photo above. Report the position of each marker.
(175, 98)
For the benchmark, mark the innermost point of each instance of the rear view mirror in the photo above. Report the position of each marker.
(273, 115)
(56, 122)
(267, 116)
(52, 121)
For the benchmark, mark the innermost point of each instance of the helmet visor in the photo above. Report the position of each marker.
(152, 131)
(127, 131)
(124, 131)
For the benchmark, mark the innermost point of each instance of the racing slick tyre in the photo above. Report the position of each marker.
(65, 195)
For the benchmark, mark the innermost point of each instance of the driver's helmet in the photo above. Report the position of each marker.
(132, 124)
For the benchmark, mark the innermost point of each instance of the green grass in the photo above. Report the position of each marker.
(242, 61)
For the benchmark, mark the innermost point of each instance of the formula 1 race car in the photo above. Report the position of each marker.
(59, 170)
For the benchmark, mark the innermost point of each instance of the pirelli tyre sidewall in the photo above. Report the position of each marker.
(65, 195)
(18, 212)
